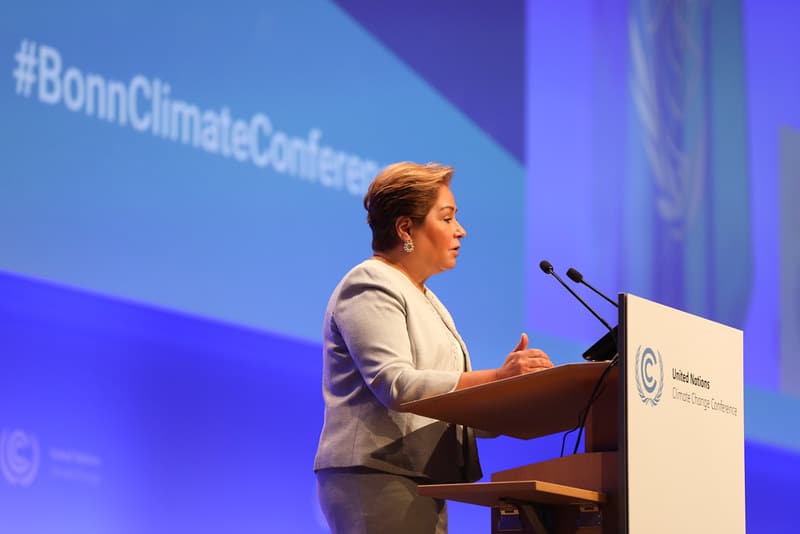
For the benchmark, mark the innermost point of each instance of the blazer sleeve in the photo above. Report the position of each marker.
(370, 316)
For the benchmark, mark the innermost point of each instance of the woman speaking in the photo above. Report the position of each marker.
(388, 340)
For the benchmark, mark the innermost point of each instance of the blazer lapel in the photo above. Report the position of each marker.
(448, 322)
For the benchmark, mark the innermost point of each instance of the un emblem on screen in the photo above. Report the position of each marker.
(19, 457)
(649, 371)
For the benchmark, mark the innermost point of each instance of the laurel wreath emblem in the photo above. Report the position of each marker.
(638, 374)
(19, 468)
(668, 99)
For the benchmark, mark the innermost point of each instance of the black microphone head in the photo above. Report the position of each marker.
(546, 267)
(574, 275)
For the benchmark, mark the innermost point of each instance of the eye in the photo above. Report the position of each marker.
(448, 219)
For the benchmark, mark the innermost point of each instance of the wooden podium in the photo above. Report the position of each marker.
(531, 406)
(644, 469)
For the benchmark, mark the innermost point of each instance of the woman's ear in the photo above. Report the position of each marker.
(403, 227)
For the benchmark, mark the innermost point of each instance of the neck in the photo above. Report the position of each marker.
(399, 262)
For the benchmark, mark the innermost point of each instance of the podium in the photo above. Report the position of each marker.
(664, 446)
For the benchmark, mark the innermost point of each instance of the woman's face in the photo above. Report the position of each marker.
(437, 240)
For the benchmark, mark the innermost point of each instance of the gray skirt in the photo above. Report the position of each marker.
(357, 500)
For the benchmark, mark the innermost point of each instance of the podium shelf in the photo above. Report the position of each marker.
(495, 494)
(525, 406)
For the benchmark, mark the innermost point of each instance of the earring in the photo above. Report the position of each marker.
(408, 246)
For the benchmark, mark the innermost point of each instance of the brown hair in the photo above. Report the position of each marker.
(402, 189)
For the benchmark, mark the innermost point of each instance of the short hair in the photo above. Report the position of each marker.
(403, 189)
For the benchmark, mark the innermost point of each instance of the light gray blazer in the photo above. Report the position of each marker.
(386, 343)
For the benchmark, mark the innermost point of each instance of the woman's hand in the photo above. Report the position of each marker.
(523, 360)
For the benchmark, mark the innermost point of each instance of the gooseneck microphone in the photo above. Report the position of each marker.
(547, 268)
(577, 277)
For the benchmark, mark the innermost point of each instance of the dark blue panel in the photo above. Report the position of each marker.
(132, 419)
(471, 51)
(771, 477)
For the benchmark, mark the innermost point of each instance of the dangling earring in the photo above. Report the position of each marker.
(408, 246)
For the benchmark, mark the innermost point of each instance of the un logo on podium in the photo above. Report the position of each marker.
(649, 371)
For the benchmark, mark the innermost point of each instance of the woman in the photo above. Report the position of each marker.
(389, 340)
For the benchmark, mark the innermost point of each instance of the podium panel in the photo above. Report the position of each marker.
(682, 448)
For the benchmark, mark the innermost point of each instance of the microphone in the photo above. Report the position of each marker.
(592, 354)
(577, 277)
(547, 268)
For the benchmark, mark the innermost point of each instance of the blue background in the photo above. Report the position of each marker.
(160, 306)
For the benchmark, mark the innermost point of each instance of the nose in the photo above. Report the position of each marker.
(461, 232)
